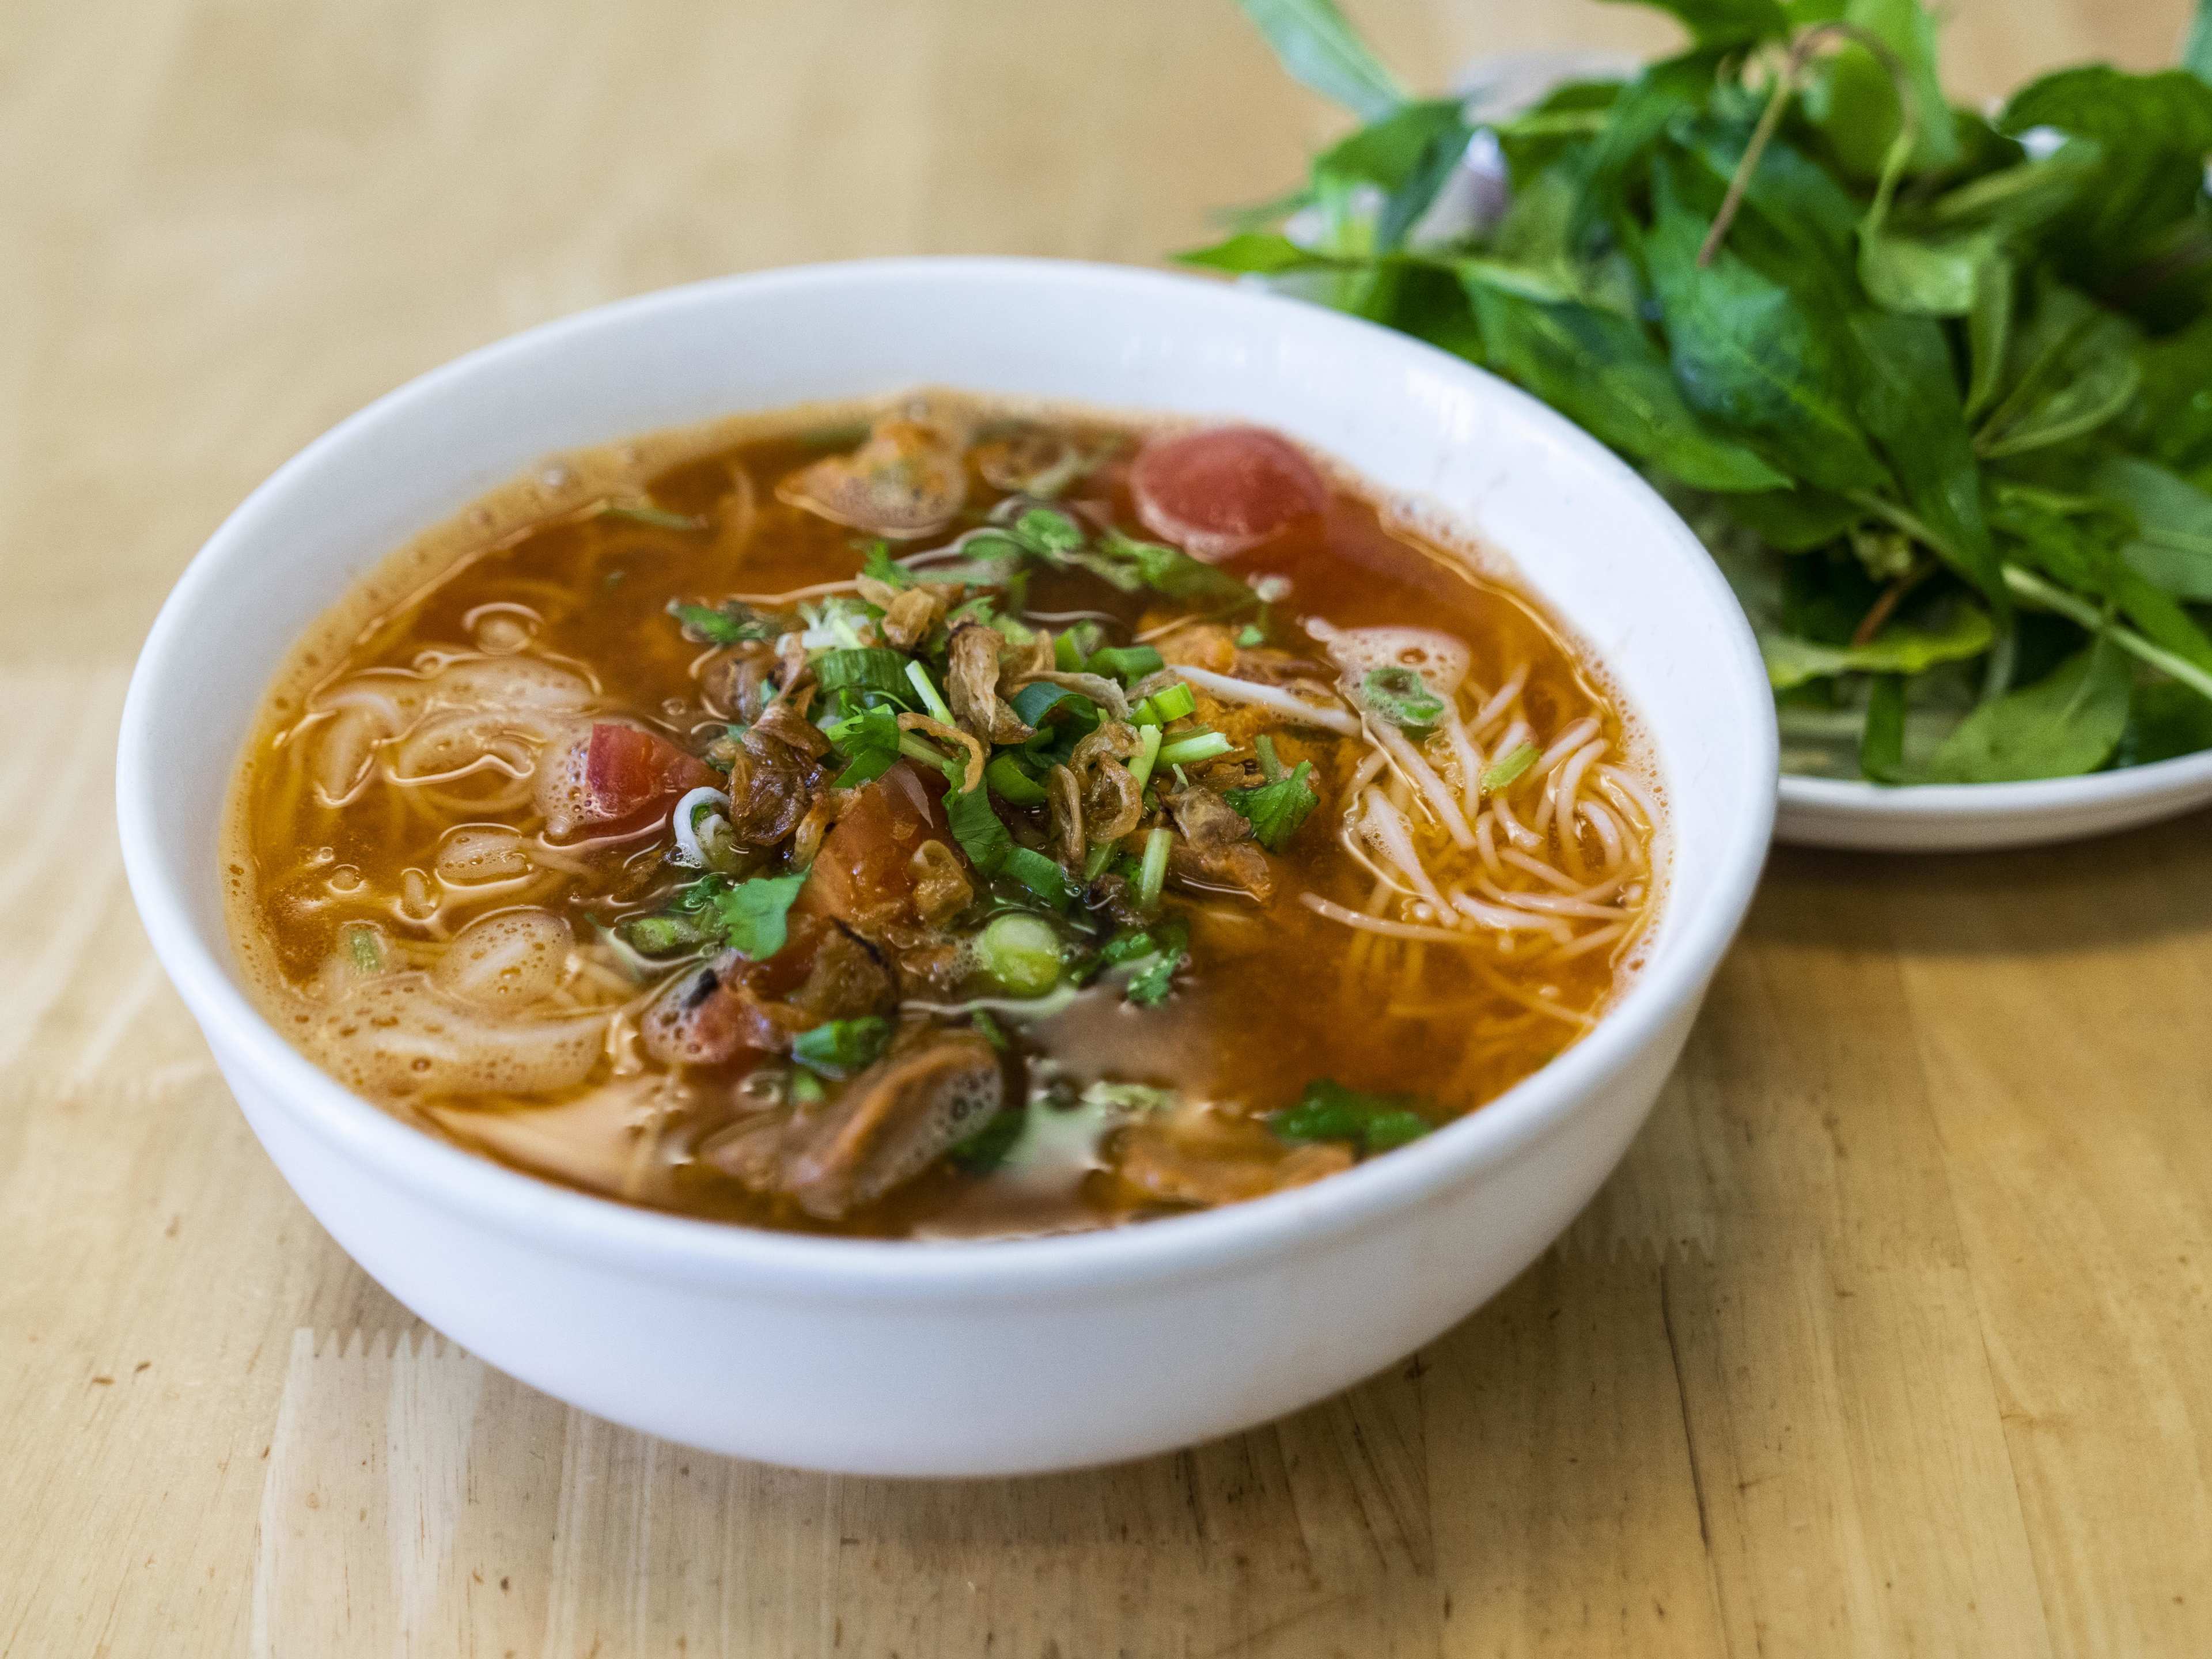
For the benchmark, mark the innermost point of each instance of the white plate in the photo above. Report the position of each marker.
(1961, 817)
(1849, 813)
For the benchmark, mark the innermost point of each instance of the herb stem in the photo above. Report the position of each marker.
(1770, 118)
(2051, 597)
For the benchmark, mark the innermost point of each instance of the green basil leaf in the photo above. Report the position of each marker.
(1882, 745)
(1601, 370)
(1726, 22)
(1909, 401)
(1257, 254)
(1319, 49)
(2172, 549)
(1898, 649)
(2074, 368)
(2066, 724)
(2167, 719)
(1754, 359)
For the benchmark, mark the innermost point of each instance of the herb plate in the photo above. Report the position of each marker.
(1959, 818)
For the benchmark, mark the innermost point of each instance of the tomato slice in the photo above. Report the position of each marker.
(865, 868)
(1218, 492)
(631, 776)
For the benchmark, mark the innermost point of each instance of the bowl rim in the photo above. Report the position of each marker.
(607, 1234)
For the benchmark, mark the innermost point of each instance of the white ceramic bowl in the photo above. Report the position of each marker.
(986, 1358)
(1959, 818)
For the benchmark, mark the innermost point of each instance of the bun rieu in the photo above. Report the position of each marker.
(950, 821)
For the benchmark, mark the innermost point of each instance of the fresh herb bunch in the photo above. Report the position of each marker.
(1935, 386)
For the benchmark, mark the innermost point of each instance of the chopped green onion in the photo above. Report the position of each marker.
(1503, 771)
(931, 699)
(1124, 662)
(1038, 698)
(862, 668)
(1402, 697)
(1034, 870)
(977, 829)
(1010, 784)
(954, 766)
(1188, 747)
(1147, 754)
(1154, 871)
(1096, 859)
(1020, 953)
(990, 1030)
(660, 936)
(1172, 702)
(1073, 648)
(839, 1048)
(805, 1088)
(1251, 634)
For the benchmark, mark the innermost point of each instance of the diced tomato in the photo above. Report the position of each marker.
(865, 868)
(1218, 492)
(631, 776)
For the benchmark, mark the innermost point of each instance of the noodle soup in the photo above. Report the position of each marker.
(936, 820)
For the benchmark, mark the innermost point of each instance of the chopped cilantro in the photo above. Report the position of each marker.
(1276, 808)
(839, 1048)
(731, 625)
(748, 915)
(984, 1151)
(881, 567)
(1373, 1123)
(869, 741)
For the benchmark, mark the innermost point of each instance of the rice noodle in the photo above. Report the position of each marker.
(1424, 778)
(1562, 746)
(1627, 783)
(1541, 871)
(1566, 784)
(1469, 758)
(1556, 904)
(1232, 690)
(1515, 831)
(1501, 700)
(1607, 831)
(1360, 919)
(1394, 838)
(1506, 919)
(778, 601)
(1485, 842)
(1363, 775)
(1587, 943)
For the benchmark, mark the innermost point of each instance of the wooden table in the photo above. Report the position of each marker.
(1890, 1336)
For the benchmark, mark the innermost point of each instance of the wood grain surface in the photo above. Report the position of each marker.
(1890, 1336)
